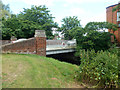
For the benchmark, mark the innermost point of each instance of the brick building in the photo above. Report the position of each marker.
(114, 17)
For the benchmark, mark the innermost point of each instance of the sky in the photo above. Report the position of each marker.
(85, 10)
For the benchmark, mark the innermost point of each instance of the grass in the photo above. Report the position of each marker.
(33, 71)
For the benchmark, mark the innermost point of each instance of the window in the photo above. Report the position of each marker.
(118, 25)
(118, 16)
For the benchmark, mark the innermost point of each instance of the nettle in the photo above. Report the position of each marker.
(99, 69)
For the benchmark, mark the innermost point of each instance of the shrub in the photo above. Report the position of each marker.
(100, 69)
(95, 40)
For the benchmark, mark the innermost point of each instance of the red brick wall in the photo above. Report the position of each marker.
(25, 47)
(119, 36)
(41, 46)
(3, 42)
(36, 45)
(112, 18)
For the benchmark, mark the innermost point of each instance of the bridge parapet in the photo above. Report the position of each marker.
(60, 44)
(39, 45)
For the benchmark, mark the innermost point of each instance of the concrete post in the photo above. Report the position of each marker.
(13, 38)
(40, 37)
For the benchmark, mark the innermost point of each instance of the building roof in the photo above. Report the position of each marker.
(111, 6)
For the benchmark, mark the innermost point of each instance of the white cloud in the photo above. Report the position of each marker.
(89, 1)
(94, 18)
(58, 20)
(39, 2)
(77, 11)
(50, 2)
(65, 5)
(32, 2)
(86, 19)
(9, 1)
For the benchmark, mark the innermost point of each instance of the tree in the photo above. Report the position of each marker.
(40, 15)
(90, 38)
(96, 26)
(24, 24)
(5, 11)
(68, 24)
(5, 14)
(18, 28)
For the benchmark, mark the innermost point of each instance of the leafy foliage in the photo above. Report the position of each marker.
(68, 24)
(96, 40)
(40, 15)
(5, 11)
(18, 28)
(24, 24)
(96, 26)
(91, 38)
(99, 68)
(116, 8)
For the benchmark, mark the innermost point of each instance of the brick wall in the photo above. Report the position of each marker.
(41, 46)
(3, 42)
(40, 37)
(36, 45)
(24, 47)
(112, 18)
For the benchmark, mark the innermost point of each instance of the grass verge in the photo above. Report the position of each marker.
(33, 71)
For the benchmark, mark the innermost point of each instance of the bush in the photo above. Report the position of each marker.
(100, 69)
(95, 40)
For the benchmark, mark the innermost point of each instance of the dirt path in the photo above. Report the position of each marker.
(75, 85)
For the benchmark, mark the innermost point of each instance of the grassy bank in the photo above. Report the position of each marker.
(33, 71)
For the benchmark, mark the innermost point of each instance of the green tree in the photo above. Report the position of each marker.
(96, 26)
(4, 10)
(24, 24)
(5, 14)
(68, 24)
(90, 37)
(18, 28)
(40, 15)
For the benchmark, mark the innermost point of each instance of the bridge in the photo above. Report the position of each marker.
(39, 45)
(60, 46)
(54, 46)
